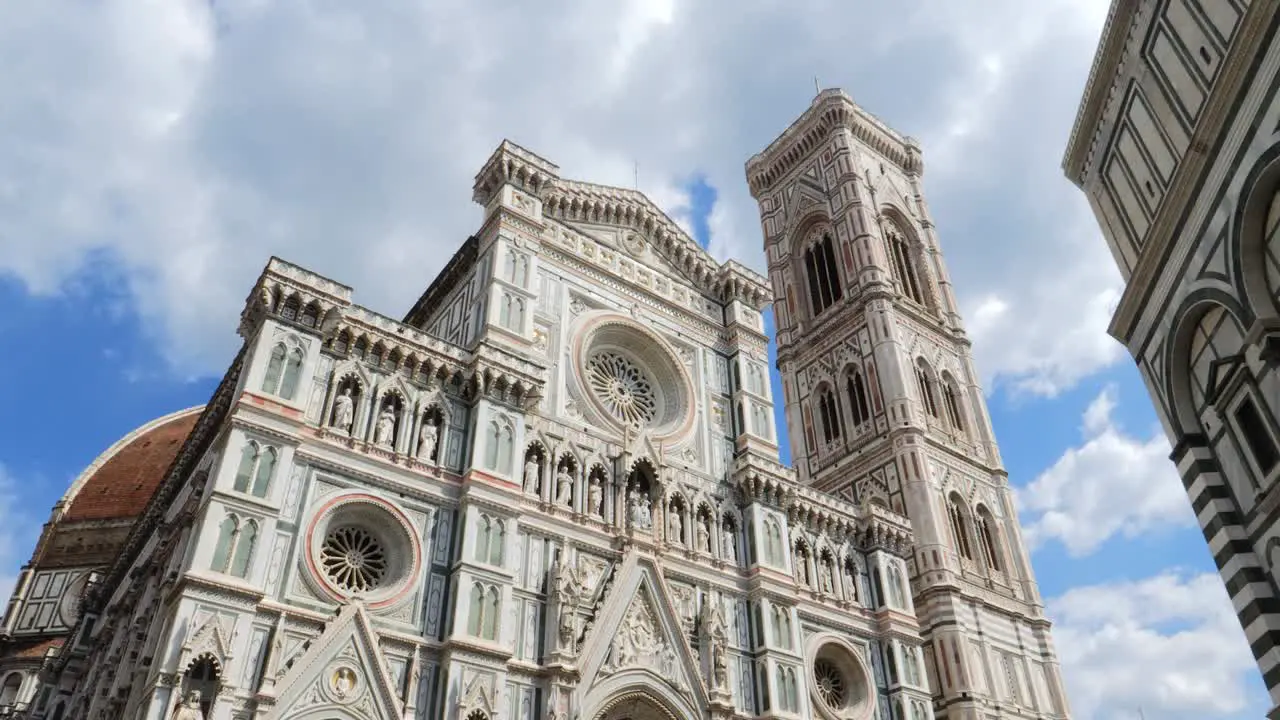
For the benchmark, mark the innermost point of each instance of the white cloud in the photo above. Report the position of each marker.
(1168, 645)
(190, 140)
(1113, 484)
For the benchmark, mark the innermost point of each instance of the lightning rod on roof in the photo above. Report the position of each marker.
(817, 89)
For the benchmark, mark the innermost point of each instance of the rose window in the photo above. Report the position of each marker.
(830, 682)
(623, 387)
(353, 559)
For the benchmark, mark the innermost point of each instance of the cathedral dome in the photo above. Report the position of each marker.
(122, 479)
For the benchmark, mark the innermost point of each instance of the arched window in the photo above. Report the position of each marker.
(292, 371)
(226, 539)
(311, 315)
(782, 626)
(499, 443)
(911, 665)
(9, 690)
(275, 367)
(823, 274)
(829, 415)
(773, 542)
(490, 535)
(959, 520)
(857, 391)
(202, 676)
(266, 467)
(924, 382)
(896, 594)
(248, 461)
(951, 399)
(257, 465)
(987, 535)
(475, 612)
(904, 268)
(489, 626)
(244, 543)
(234, 549)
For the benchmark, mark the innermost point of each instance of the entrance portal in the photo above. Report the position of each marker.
(635, 706)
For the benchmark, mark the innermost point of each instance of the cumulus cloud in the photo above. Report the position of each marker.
(1113, 484)
(185, 141)
(1167, 645)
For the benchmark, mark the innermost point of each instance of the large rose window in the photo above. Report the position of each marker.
(360, 545)
(839, 680)
(630, 378)
(623, 387)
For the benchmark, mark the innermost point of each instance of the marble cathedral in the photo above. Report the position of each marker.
(552, 490)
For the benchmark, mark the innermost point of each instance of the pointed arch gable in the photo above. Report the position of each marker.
(639, 580)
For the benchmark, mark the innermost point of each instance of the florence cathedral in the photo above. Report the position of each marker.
(552, 489)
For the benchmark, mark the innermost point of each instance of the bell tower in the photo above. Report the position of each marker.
(883, 403)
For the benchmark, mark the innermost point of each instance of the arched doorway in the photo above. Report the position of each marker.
(635, 706)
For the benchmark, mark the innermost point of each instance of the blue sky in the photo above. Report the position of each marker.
(141, 193)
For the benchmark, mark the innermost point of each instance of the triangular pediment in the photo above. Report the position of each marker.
(341, 672)
(806, 198)
(638, 638)
(630, 223)
(631, 247)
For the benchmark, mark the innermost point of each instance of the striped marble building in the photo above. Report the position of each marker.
(1176, 146)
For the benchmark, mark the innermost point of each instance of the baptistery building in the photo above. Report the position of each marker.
(552, 489)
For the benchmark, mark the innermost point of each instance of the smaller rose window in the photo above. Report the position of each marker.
(353, 559)
(623, 387)
(831, 686)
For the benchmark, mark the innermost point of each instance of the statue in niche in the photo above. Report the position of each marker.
(675, 527)
(730, 545)
(386, 427)
(530, 476)
(595, 498)
(565, 588)
(564, 486)
(427, 438)
(704, 535)
(343, 410)
(190, 708)
(638, 510)
(824, 575)
(713, 623)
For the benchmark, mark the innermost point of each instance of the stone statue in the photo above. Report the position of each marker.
(385, 428)
(190, 708)
(717, 641)
(343, 410)
(641, 518)
(704, 536)
(730, 545)
(530, 476)
(824, 575)
(564, 487)
(427, 438)
(675, 527)
(566, 627)
(595, 499)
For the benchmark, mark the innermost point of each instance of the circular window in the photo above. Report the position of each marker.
(631, 379)
(839, 681)
(623, 387)
(353, 559)
(830, 682)
(360, 545)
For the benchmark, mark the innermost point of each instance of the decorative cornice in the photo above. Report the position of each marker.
(1099, 88)
(831, 110)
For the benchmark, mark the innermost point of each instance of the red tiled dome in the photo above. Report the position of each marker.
(128, 473)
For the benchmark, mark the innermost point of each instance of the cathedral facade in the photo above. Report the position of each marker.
(552, 490)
